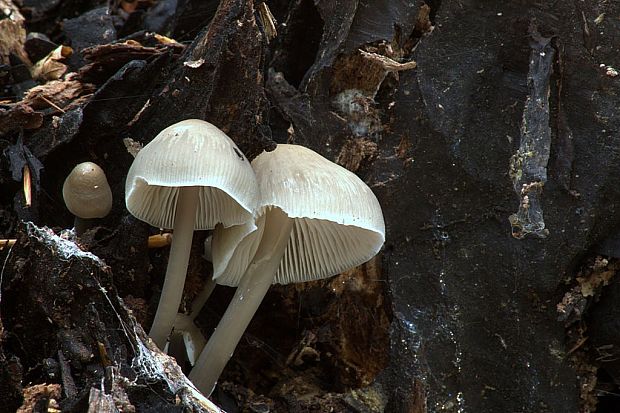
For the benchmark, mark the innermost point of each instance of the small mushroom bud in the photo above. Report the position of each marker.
(87, 194)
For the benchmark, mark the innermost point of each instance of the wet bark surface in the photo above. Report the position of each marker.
(489, 133)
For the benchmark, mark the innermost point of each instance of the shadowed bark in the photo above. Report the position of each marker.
(488, 132)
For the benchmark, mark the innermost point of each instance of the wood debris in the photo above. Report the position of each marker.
(58, 94)
(389, 64)
(12, 32)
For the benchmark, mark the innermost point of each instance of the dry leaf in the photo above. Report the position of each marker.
(50, 67)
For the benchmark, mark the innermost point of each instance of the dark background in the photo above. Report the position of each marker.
(465, 310)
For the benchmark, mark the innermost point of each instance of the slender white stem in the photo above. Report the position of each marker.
(172, 291)
(202, 298)
(250, 292)
(177, 346)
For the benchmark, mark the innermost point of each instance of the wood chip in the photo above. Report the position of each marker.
(37, 394)
(12, 33)
(99, 402)
(58, 94)
(269, 22)
(132, 146)
(19, 115)
(354, 152)
(160, 240)
(388, 64)
(68, 384)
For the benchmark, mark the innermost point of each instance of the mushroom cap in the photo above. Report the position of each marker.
(240, 242)
(191, 153)
(338, 220)
(86, 191)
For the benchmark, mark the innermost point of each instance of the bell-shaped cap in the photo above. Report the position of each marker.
(86, 191)
(338, 222)
(191, 153)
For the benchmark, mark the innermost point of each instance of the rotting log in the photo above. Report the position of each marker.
(465, 313)
(58, 300)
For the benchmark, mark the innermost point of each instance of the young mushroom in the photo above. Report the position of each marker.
(317, 220)
(87, 195)
(191, 176)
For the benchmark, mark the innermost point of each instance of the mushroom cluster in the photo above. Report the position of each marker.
(290, 216)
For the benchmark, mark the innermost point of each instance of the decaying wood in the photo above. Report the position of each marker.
(78, 278)
(426, 101)
(12, 32)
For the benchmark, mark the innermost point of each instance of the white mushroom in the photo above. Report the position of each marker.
(190, 176)
(317, 220)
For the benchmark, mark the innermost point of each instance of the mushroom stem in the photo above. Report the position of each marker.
(250, 293)
(172, 291)
(202, 298)
(177, 347)
(81, 225)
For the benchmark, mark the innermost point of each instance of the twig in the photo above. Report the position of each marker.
(27, 186)
(576, 346)
(52, 104)
(160, 240)
(7, 243)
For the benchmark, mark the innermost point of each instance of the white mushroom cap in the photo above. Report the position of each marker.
(338, 220)
(240, 242)
(191, 153)
(86, 191)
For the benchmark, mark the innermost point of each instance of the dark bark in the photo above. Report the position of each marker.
(495, 160)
